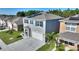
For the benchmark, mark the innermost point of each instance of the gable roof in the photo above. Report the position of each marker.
(45, 16)
(19, 21)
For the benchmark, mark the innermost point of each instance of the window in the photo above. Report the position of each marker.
(71, 43)
(73, 24)
(67, 28)
(26, 21)
(31, 21)
(39, 23)
(66, 42)
(71, 27)
(68, 23)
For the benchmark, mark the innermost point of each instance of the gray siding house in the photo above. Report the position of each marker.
(36, 26)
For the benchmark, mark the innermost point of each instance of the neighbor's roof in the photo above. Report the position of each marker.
(72, 19)
(74, 37)
(19, 21)
(45, 16)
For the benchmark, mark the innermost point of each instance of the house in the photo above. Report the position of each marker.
(37, 25)
(15, 23)
(11, 22)
(69, 32)
(18, 24)
(2, 23)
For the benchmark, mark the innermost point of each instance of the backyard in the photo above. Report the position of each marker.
(10, 36)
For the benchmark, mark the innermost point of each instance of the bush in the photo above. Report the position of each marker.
(1, 27)
(71, 50)
(19, 36)
(61, 47)
(10, 31)
(47, 47)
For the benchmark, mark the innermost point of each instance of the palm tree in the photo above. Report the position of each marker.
(52, 37)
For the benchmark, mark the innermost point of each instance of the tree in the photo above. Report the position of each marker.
(31, 12)
(27, 13)
(52, 37)
(65, 13)
(21, 14)
(77, 11)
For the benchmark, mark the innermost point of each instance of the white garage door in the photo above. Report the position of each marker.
(38, 36)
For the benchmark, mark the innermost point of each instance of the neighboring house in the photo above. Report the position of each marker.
(37, 25)
(10, 23)
(2, 23)
(15, 23)
(18, 24)
(69, 32)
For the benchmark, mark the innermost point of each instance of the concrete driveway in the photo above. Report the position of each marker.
(28, 44)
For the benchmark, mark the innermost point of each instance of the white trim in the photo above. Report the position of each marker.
(71, 26)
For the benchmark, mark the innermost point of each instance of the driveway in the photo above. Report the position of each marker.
(28, 44)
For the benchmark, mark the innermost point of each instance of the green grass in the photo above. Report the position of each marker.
(47, 47)
(71, 50)
(60, 48)
(8, 37)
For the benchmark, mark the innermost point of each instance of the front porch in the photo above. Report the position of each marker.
(69, 45)
(34, 32)
(71, 40)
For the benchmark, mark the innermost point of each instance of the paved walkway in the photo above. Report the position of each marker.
(27, 44)
(4, 30)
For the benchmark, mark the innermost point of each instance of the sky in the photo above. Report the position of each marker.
(13, 11)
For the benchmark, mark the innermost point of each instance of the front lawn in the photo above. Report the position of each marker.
(47, 47)
(10, 37)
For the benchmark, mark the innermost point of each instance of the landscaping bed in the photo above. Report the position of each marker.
(47, 47)
(10, 36)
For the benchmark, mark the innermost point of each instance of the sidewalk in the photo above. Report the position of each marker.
(4, 30)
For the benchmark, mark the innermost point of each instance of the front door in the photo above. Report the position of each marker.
(28, 32)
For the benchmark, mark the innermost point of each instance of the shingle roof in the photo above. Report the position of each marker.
(70, 21)
(19, 21)
(73, 19)
(70, 36)
(7, 18)
(45, 16)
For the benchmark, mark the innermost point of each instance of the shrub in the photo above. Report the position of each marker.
(61, 47)
(19, 36)
(71, 50)
(10, 31)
